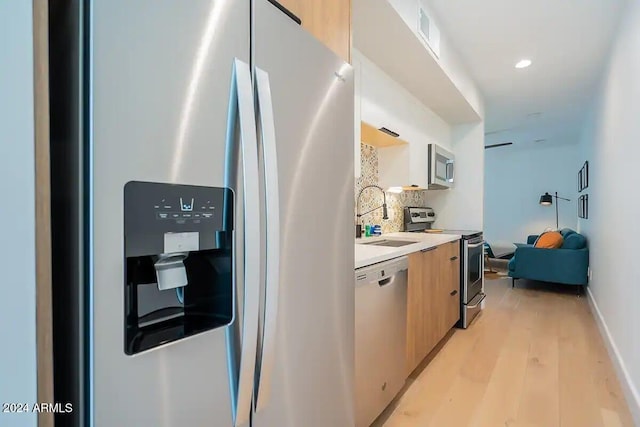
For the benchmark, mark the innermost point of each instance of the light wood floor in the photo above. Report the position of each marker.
(534, 357)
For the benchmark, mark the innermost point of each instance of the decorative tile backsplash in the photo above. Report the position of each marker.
(372, 197)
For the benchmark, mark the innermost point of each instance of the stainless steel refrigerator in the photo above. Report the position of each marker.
(202, 185)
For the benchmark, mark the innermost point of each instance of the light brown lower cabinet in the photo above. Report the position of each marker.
(451, 284)
(433, 299)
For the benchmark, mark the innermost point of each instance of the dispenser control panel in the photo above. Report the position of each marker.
(154, 209)
(183, 209)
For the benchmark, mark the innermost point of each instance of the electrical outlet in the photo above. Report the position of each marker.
(590, 273)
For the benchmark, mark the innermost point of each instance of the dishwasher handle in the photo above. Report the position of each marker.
(382, 273)
(387, 281)
(390, 279)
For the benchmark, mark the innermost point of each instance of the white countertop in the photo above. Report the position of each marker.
(372, 254)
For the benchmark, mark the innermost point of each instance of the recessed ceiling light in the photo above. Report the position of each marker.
(523, 63)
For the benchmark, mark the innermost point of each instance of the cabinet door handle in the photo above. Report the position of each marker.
(452, 293)
(453, 258)
(428, 249)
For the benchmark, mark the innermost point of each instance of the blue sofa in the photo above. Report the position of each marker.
(568, 265)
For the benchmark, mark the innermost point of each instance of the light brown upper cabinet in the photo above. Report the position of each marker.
(328, 20)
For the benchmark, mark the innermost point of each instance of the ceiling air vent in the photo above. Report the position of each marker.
(428, 31)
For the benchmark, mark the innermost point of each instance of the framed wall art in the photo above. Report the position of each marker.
(583, 177)
(583, 206)
(579, 180)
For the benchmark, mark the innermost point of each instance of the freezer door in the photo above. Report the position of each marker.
(159, 82)
(311, 379)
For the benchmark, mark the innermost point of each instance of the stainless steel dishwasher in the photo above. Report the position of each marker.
(380, 329)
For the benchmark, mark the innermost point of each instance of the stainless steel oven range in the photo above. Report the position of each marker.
(471, 263)
(471, 276)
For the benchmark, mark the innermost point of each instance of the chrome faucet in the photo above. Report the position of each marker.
(385, 213)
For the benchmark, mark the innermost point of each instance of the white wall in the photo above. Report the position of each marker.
(384, 102)
(515, 178)
(17, 212)
(611, 143)
(461, 207)
(449, 59)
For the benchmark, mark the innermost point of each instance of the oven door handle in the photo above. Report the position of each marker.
(476, 245)
(479, 302)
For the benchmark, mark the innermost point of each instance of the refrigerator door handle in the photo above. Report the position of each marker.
(243, 371)
(272, 208)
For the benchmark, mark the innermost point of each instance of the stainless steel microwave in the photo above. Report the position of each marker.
(441, 168)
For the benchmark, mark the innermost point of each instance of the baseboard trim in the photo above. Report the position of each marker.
(629, 389)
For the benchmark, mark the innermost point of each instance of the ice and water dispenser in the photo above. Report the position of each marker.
(178, 262)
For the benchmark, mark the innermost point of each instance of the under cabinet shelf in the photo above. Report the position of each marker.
(370, 135)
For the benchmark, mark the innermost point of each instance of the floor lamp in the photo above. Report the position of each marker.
(547, 200)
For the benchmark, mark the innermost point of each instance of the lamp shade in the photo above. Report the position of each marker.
(546, 199)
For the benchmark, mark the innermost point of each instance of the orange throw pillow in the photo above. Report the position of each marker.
(549, 240)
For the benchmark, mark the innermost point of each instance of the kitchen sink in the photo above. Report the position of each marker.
(390, 243)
